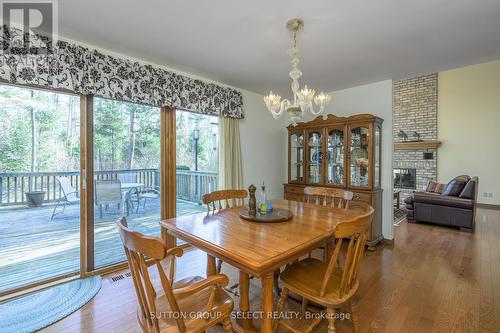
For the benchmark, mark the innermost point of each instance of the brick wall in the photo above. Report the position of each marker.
(415, 109)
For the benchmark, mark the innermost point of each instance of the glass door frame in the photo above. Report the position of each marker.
(167, 183)
(20, 290)
(375, 126)
(344, 129)
(321, 131)
(304, 161)
(369, 126)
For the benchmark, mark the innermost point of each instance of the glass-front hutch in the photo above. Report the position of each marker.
(341, 152)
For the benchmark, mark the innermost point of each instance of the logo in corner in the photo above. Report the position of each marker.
(28, 27)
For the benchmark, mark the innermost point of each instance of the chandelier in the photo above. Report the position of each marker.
(302, 98)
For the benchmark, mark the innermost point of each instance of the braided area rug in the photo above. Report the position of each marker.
(38, 310)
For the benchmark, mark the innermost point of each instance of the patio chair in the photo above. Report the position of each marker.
(108, 191)
(133, 194)
(69, 195)
(150, 193)
(128, 177)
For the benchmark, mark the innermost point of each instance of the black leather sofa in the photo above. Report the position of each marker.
(455, 206)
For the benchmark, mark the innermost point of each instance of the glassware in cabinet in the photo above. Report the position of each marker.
(359, 153)
(335, 166)
(315, 157)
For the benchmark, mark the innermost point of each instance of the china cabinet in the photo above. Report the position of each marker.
(342, 152)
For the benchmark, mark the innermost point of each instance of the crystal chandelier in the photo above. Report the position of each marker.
(302, 98)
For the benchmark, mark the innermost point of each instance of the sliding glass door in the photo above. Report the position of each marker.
(39, 186)
(55, 223)
(196, 159)
(126, 174)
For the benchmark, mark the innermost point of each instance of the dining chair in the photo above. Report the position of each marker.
(332, 284)
(221, 199)
(192, 304)
(327, 196)
(335, 197)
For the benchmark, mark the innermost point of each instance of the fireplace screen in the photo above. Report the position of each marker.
(405, 178)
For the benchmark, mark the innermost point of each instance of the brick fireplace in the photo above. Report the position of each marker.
(415, 118)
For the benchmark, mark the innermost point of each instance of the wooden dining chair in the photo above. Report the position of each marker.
(334, 197)
(221, 199)
(331, 284)
(192, 304)
(327, 196)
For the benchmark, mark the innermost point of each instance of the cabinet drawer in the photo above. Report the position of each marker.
(362, 196)
(294, 189)
(293, 197)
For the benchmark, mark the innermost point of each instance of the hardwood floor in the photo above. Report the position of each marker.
(434, 279)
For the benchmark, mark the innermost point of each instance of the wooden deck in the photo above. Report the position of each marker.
(33, 248)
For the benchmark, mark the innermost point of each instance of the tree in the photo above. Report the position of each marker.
(34, 133)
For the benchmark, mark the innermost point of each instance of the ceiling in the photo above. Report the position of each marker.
(243, 43)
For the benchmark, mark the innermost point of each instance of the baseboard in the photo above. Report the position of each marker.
(488, 206)
(388, 242)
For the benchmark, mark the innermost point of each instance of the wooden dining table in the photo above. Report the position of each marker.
(258, 249)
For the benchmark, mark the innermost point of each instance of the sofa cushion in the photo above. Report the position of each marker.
(439, 188)
(469, 191)
(455, 186)
(435, 187)
(442, 200)
(431, 186)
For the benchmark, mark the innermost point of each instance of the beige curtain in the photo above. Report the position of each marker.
(230, 173)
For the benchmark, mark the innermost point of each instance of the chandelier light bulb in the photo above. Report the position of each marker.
(306, 94)
(272, 101)
(322, 100)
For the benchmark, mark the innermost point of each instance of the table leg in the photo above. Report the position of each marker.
(245, 322)
(267, 303)
(211, 270)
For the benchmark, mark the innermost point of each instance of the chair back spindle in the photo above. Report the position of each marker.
(335, 197)
(218, 200)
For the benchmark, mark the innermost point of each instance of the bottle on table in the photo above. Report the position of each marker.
(264, 204)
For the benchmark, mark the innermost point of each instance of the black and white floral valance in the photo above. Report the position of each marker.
(89, 71)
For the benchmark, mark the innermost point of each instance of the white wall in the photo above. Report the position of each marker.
(376, 99)
(261, 146)
(468, 120)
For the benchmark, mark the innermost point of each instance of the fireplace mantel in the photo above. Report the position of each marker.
(413, 145)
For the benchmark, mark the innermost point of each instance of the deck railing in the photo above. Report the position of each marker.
(191, 185)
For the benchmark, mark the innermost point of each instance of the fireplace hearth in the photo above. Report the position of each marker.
(405, 178)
